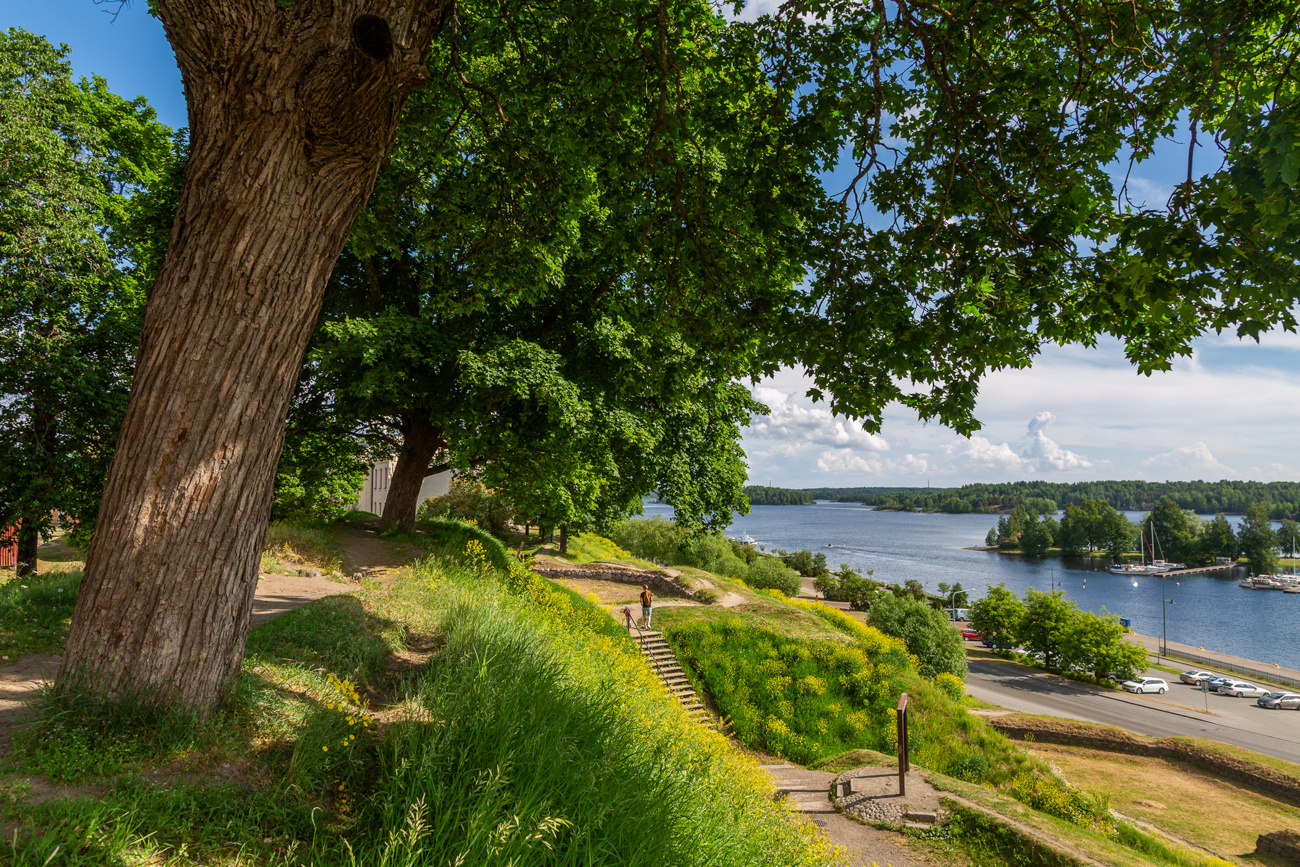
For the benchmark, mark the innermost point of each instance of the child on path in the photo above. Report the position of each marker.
(646, 600)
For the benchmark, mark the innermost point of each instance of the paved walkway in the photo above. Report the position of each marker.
(809, 792)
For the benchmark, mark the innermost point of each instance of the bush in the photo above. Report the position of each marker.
(936, 645)
(713, 553)
(449, 539)
(654, 539)
(706, 596)
(769, 572)
(470, 500)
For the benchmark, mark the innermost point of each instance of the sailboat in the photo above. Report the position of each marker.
(1155, 567)
(1142, 568)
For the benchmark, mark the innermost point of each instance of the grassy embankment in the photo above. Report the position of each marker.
(464, 712)
(817, 686)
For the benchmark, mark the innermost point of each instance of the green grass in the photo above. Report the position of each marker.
(292, 545)
(531, 732)
(35, 612)
(590, 548)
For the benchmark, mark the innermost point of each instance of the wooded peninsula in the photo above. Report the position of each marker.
(1281, 499)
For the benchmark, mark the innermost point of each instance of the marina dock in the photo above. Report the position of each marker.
(1199, 570)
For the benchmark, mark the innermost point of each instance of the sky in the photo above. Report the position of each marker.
(1230, 411)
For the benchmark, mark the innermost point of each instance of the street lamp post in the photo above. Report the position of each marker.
(952, 605)
(1165, 601)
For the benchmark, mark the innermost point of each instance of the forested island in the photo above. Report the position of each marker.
(1280, 499)
(761, 495)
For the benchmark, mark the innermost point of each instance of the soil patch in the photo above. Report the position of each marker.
(365, 555)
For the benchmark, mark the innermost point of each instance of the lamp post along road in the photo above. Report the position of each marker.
(1165, 602)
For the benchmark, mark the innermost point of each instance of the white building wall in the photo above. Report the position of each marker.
(375, 490)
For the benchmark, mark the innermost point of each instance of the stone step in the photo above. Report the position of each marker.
(662, 660)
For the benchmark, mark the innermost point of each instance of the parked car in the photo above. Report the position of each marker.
(971, 635)
(1238, 688)
(1279, 701)
(1118, 677)
(1219, 681)
(997, 643)
(1195, 677)
(1146, 684)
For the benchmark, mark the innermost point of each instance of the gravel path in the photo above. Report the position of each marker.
(809, 792)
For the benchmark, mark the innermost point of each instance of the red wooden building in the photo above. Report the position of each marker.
(8, 548)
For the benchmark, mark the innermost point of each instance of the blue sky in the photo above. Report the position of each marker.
(1230, 411)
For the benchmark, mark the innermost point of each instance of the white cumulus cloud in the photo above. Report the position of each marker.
(1193, 460)
(796, 422)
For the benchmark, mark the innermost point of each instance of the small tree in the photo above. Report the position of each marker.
(1048, 619)
(769, 572)
(1288, 536)
(1095, 644)
(998, 615)
(1074, 532)
(1036, 535)
(1219, 540)
(656, 539)
(1257, 540)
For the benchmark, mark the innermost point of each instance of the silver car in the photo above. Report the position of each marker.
(1239, 688)
(1195, 676)
(1279, 701)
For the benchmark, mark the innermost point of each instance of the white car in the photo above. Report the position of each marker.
(1146, 684)
(1239, 688)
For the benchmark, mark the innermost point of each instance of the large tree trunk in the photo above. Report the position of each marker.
(420, 442)
(292, 110)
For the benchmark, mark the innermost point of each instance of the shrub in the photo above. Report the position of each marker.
(937, 646)
(713, 553)
(449, 538)
(769, 572)
(655, 539)
(950, 684)
(470, 500)
(706, 596)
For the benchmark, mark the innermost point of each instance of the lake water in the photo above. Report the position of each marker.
(1207, 611)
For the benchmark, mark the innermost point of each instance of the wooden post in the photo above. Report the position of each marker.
(903, 765)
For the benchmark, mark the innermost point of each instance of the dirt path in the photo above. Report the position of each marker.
(808, 792)
(365, 555)
(22, 679)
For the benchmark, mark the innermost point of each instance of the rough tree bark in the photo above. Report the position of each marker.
(292, 109)
(421, 440)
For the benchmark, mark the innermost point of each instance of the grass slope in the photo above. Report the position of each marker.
(459, 714)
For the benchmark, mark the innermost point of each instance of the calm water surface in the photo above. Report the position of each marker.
(1209, 612)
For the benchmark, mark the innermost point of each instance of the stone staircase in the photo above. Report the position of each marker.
(663, 662)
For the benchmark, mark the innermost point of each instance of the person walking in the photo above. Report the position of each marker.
(647, 599)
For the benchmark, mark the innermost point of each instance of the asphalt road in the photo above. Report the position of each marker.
(1181, 711)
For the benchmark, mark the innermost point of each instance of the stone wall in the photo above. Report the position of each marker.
(660, 583)
(1267, 780)
(1280, 844)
